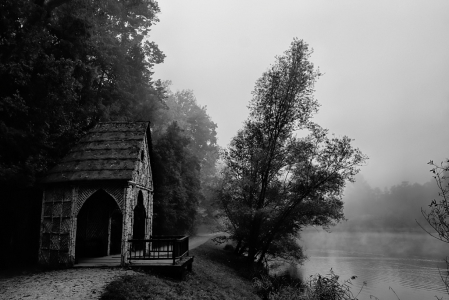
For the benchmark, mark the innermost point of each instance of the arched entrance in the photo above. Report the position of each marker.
(139, 222)
(116, 231)
(140, 215)
(99, 227)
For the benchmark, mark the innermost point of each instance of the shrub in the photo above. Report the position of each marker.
(318, 287)
(329, 288)
(282, 287)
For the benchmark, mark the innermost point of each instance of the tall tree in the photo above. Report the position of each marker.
(183, 107)
(64, 66)
(176, 175)
(275, 183)
(198, 127)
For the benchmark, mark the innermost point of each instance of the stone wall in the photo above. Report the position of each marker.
(56, 226)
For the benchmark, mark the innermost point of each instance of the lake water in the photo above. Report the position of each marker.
(411, 277)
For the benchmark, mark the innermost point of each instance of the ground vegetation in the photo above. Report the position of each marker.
(217, 274)
(317, 287)
(220, 274)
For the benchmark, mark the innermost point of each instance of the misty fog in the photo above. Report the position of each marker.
(381, 222)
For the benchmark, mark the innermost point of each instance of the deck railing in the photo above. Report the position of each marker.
(163, 247)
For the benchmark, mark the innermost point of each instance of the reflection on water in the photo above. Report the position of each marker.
(410, 277)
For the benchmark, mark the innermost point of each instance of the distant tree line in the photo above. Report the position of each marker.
(394, 209)
(66, 65)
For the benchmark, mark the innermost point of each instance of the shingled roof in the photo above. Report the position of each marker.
(108, 151)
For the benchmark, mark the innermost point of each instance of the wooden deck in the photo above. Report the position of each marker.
(162, 266)
(166, 254)
(114, 261)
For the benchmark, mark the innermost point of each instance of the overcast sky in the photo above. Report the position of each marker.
(385, 65)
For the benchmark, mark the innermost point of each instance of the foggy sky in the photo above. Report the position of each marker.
(385, 65)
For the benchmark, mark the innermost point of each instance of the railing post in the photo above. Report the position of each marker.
(174, 246)
(152, 249)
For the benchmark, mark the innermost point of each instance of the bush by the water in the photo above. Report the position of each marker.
(278, 287)
(318, 287)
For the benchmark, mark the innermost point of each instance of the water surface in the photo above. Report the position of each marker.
(386, 273)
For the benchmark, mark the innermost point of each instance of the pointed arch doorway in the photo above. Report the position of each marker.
(99, 227)
(139, 222)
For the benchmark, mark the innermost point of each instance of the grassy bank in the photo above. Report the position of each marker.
(217, 274)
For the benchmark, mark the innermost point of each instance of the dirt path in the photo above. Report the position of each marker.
(83, 283)
(198, 240)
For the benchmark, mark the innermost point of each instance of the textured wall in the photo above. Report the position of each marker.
(56, 225)
(61, 205)
(142, 173)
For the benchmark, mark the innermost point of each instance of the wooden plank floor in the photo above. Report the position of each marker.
(105, 261)
(159, 262)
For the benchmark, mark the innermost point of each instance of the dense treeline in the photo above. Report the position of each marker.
(397, 208)
(64, 67)
(184, 160)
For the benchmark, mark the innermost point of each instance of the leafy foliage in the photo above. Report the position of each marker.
(438, 215)
(183, 108)
(64, 66)
(275, 183)
(177, 183)
(200, 131)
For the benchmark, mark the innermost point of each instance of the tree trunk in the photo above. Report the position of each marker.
(237, 248)
(251, 255)
(264, 251)
(253, 238)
